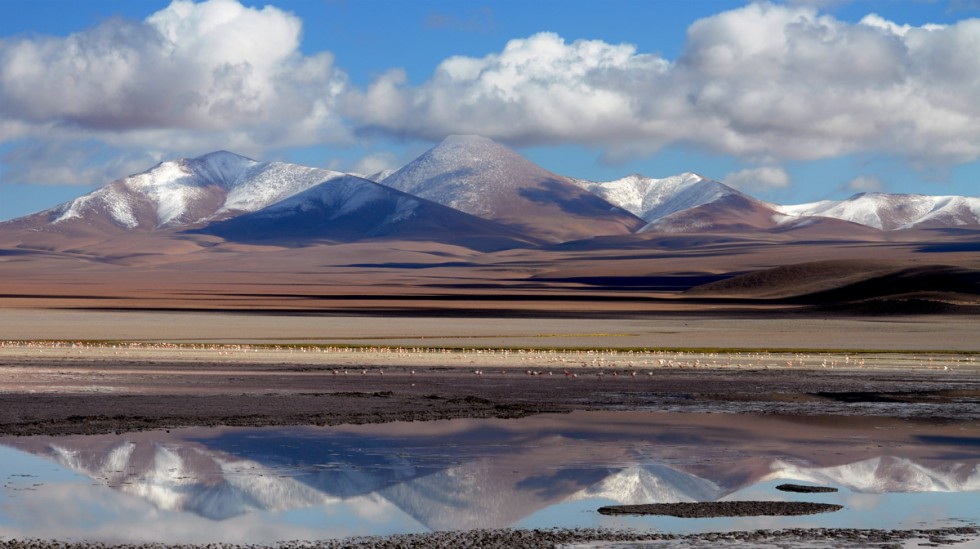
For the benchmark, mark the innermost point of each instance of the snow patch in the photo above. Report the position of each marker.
(883, 474)
(651, 484)
(262, 185)
(468, 173)
(652, 199)
(893, 211)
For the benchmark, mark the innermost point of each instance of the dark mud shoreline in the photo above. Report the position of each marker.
(556, 538)
(125, 396)
(723, 509)
(90, 396)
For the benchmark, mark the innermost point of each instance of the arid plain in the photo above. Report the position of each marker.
(151, 332)
(706, 304)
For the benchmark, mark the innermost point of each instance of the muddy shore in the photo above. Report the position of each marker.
(605, 539)
(59, 389)
(101, 390)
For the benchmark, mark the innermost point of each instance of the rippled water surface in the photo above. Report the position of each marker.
(274, 484)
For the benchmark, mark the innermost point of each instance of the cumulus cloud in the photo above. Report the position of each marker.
(764, 82)
(866, 184)
(766, 178)
(538, 89)
(376, 163)
(77, 163)
(767, 83)
(190, 74)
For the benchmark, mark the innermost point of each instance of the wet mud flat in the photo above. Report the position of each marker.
(83, 395)
(591, 538)
(63, 394)
(540, 539)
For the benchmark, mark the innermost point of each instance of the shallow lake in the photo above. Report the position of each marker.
(304, 483)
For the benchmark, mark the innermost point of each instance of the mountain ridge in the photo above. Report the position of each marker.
(480, 177)
(517, 202)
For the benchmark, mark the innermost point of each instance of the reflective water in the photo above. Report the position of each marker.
(264, 485)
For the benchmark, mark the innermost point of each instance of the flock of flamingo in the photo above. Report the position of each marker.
(534, 362)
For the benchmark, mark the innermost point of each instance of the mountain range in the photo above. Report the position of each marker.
(467, 190)
(449, 489)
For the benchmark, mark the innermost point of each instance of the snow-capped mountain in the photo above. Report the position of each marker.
(891, 212)
(452, 488)
(652, 199)
(346, 208)
(690, 203)
(186, 192)
(652, 483)
(728, 212)
(884, 474)
(377, 177)
(480, 177)
(488, 192)
(182, 477)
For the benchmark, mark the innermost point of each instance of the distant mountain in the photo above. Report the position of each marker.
(691, 203)
(447, 490)
(651, 483)
(892, 212)
(467, 190)
(728, 212)
(480, 177)
(181, 477)
(346, 208)
(377, 177)
(884, 474)
(652, 199)
(183, 192)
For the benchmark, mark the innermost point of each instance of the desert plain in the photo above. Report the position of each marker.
(388, 332)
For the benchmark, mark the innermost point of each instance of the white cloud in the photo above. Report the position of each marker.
(765, 82)
(75, 163)
(375, 163)
(866, 183)
(538, 89)
(189, 74)
(766, 178)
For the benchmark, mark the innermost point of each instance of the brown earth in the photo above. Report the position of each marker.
(48, 389)
(488, 335)
(630, 276)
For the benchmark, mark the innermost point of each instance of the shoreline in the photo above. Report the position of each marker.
(847, 538)
(89, 385)
(56, 390)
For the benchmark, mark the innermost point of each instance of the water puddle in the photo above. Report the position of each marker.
(250, 485)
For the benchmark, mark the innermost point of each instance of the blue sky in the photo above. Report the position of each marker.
(789, 101)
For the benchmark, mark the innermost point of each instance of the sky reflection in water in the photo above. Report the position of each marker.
(271, 484)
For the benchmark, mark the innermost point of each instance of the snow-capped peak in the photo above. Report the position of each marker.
(480, 177)
(653, 483)
(192, 190)
(652, 199)
(465, 172)
(893, 211)
(884, 474)
(221, 167)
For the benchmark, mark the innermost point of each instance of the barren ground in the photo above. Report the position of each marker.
(70, 371)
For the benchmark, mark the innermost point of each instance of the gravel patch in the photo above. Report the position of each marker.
(582, 538)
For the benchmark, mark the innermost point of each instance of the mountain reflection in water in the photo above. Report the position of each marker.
(465, 474)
